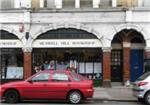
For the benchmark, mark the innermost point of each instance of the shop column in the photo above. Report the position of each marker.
(126, 62)
(27, 63)
(147, 60)
(106, 67)
(147, 53)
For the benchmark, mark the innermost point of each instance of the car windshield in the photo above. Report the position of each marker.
(144, 76)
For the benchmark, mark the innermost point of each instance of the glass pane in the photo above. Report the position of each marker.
(49, 3)
(68, 3)
(86, 3)
(105, 3)
(60, 77)
(146, 3)
(11, 65)
(41, 77)
(6, 4)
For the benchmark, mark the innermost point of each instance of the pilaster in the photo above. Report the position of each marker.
(106, 67)
(27, 62)
(126, 61)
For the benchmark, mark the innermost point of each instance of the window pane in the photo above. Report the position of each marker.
(11, 65)
(60, 77)
(41, 77)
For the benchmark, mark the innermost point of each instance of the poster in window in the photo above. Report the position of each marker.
(14, 73)
(89, 67)
(81, 67)
(97, 67)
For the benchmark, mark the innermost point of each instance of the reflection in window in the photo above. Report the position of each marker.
(41, 77)
(60, 77)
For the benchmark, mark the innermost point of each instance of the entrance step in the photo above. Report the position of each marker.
(116, 84)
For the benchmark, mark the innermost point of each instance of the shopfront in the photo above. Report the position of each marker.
(11, 57)
(127, 60)
(73, 48)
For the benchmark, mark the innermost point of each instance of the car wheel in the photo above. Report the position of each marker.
(75, 97)
(147, 98)
(11, 96)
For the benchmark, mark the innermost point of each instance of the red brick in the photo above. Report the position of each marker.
(126, 64)
(106, 66)
(27, 64)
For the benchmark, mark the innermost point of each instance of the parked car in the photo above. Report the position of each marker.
(49, 84)
(141, 88)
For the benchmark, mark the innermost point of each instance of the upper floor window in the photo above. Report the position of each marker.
(127, 3)
(6, 4)
(38, 4)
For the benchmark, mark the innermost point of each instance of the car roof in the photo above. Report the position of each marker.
(65, 71)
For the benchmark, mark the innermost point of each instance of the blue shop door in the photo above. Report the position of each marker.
(137, 62)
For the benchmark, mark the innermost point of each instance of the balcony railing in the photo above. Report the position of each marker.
(60, 4)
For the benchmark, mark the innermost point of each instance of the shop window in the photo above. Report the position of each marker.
(11, 65)
(87, 62)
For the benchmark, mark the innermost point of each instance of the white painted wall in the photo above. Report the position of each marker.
(103, 24)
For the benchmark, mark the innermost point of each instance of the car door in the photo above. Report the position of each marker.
(37, 87)
(59, 85)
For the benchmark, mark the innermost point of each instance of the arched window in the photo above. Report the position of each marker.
(67, 33)
(7, 35)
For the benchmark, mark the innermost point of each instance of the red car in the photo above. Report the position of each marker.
(49, 84)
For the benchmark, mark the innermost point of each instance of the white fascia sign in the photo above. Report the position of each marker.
(67, 43)
(10, 44)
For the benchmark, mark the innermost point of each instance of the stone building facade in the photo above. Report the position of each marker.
(109, 39)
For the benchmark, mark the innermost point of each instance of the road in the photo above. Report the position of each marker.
(83, 103)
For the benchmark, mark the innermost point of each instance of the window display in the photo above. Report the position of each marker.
(14, 73)
(11, 66)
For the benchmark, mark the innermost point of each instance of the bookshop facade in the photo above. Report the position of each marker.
(112, 46)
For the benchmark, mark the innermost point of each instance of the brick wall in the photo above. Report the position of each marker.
(106, 66)
(126, 64)
(27, 64)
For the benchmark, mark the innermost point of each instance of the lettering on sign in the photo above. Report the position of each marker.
(8, 43)
(67, 43)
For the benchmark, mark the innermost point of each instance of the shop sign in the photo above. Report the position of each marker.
(67, 43)
(10, 44)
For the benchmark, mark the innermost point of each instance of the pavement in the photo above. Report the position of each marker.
(119, 93)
